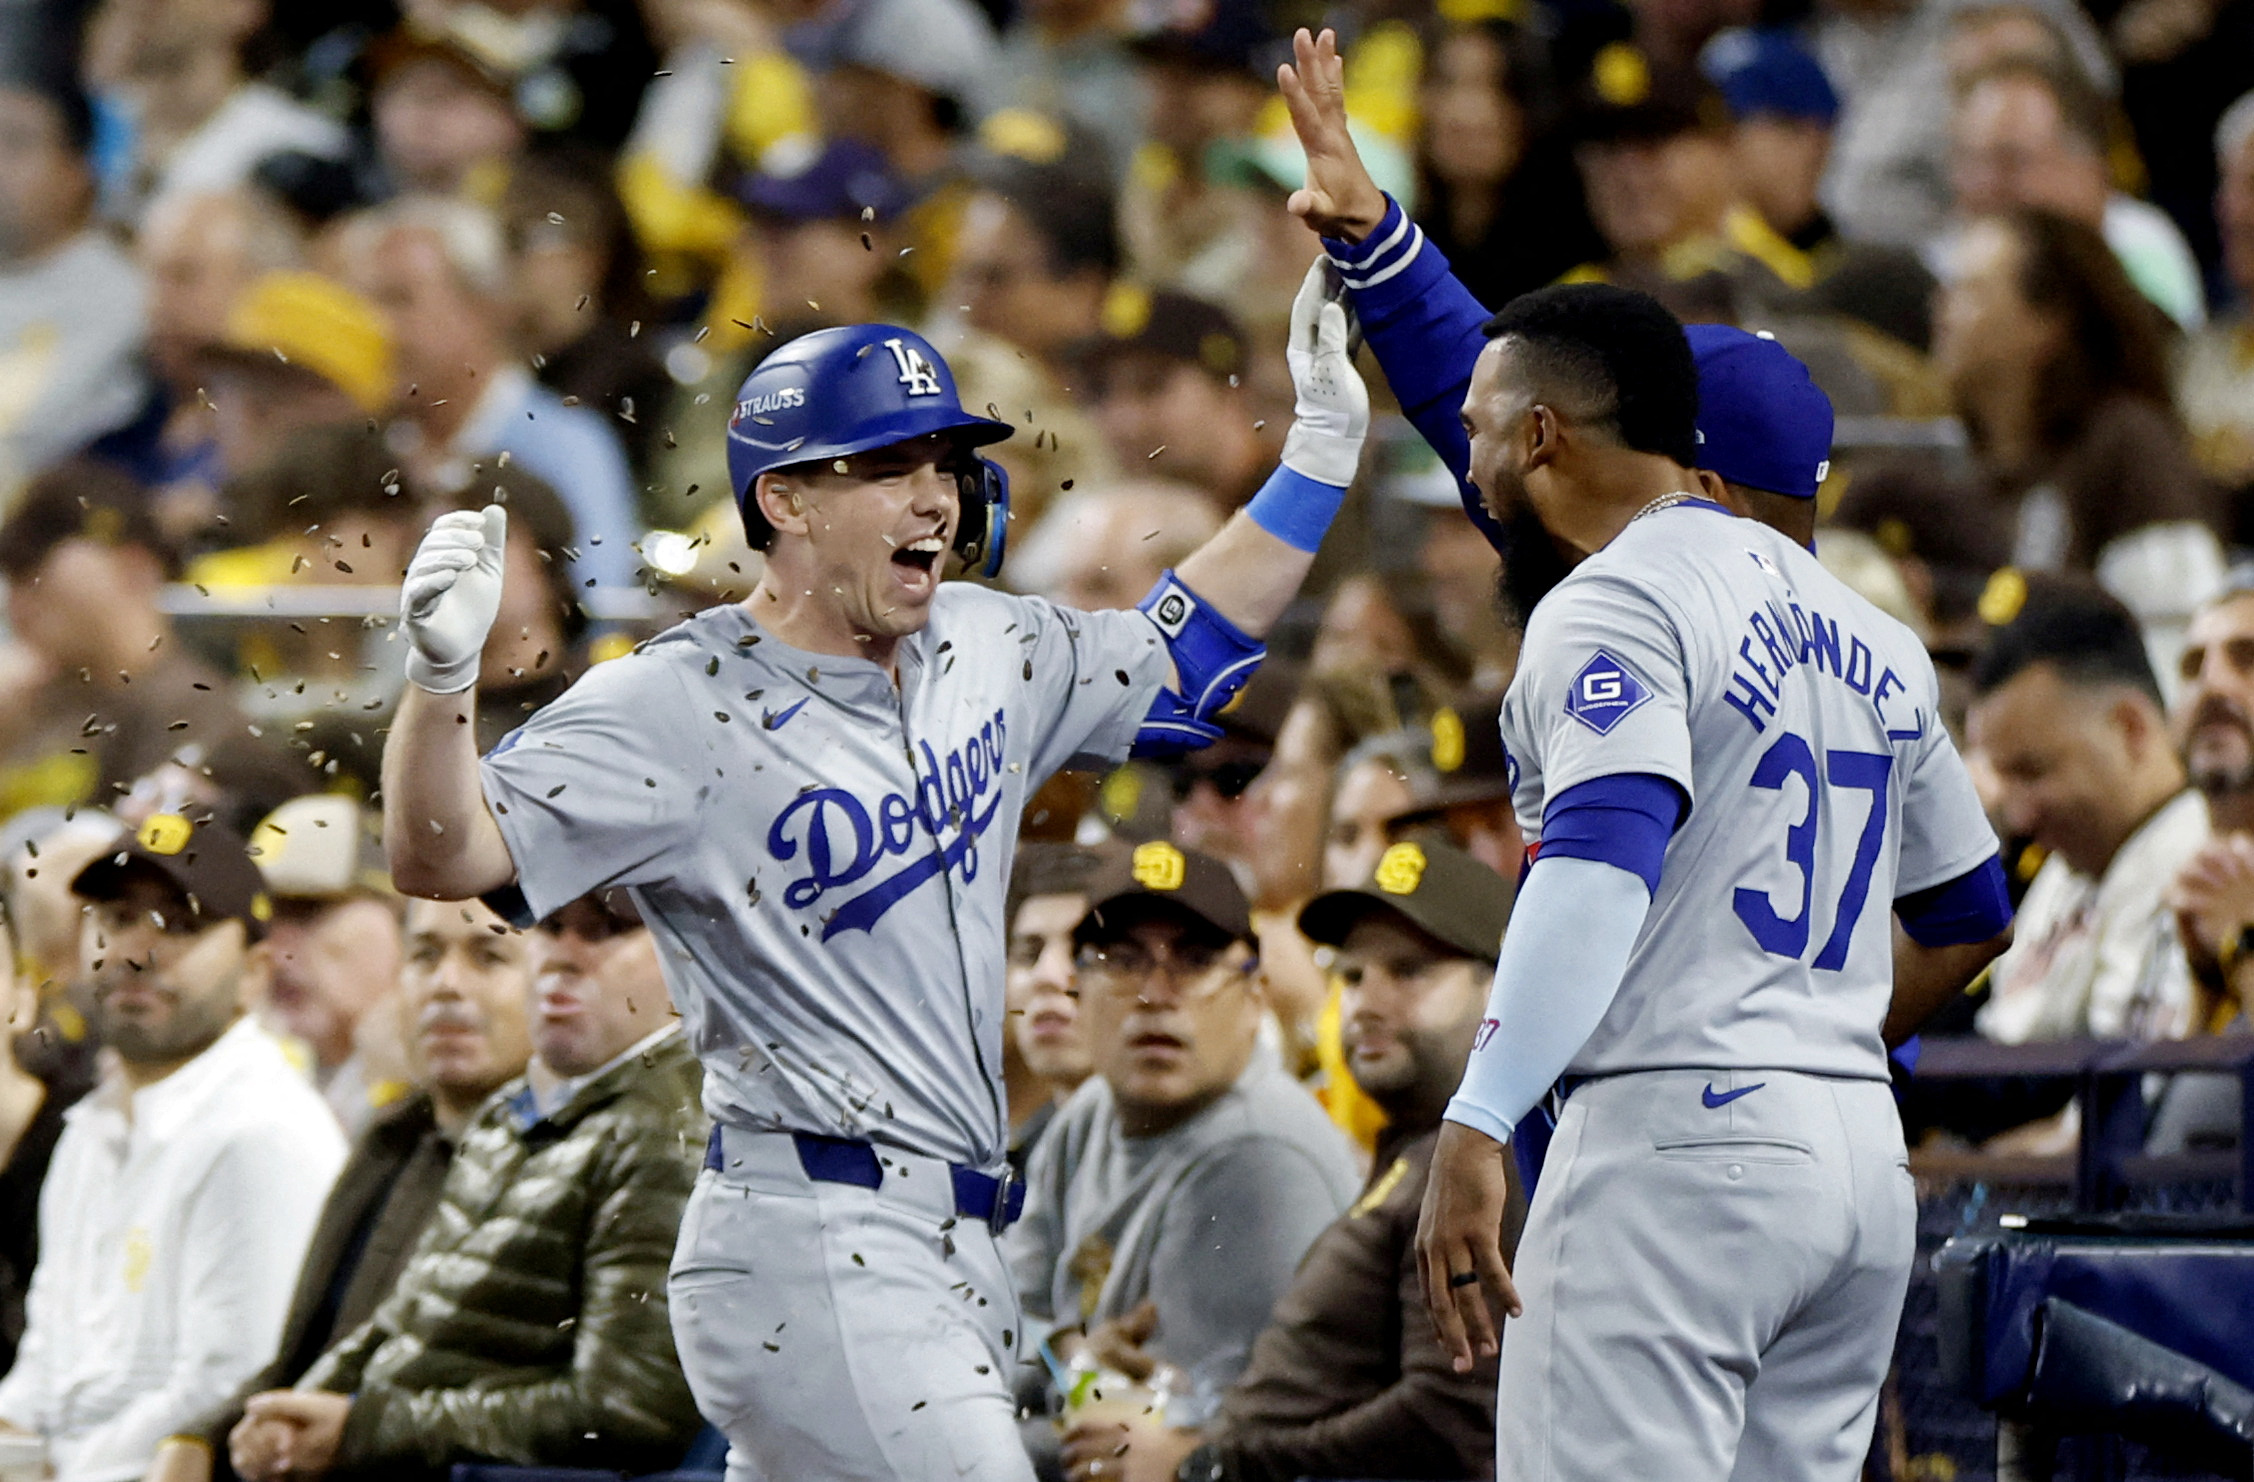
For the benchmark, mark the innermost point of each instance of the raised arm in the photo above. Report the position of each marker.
(1251, 570)
(1418, 319)
(439, 836)
(1214, 610)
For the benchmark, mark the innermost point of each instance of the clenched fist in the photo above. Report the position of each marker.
(451, 596)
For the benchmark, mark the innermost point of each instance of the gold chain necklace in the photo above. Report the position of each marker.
(1664, 501)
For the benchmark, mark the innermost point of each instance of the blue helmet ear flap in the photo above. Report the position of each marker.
(983, 527)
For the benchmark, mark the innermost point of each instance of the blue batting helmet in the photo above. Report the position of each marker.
(837, 392)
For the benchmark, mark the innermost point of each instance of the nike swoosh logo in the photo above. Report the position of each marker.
(775, 720)
(1713, 1100)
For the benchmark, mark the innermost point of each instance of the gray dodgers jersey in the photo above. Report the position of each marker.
(822, 856)
(1801, 723)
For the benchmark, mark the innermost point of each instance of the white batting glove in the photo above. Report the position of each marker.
(1332, 414)
(451, 596)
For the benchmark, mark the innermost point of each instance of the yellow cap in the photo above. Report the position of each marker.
(319, 325)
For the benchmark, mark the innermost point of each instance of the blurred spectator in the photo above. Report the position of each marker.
(573, 69)
(333, 941)
(327, 509)
(533, 652)
(2215, 382)
(1380, 779)
(2213, 895)
(1471, 802)
(1944, 540)
(1212, 787)
(49, 846)
(72, 306)
(445, 121)
(101, 691)
(184, 1190)
(2073, 740)
(323, 493)
(1489, 162)
(1782, 109)
(440, 270)
(1069, 59)
(1458, 571)
(2215, 731)
(580, 305)
(799, 265)
(1892, 63)
(1348, 1377)
(909, 78)
(1045, 1051)
(179, 71)
(463, 997)
(1655, 158)
(1188, 1177)
(2029, 136)
(296, 351)
(1104, 548)
(1165, 378)
(1205, 73)
(201, 251)
(553, 1227)
(812, 204)
(2061, 376)
(1033, 270)
(1371, 626)
(39, 1082)
(725, 93)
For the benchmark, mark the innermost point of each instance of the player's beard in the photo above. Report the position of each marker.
(1531, 566)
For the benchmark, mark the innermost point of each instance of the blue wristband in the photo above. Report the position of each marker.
(1296, 509)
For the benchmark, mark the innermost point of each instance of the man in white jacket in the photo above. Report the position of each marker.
(183, 1190)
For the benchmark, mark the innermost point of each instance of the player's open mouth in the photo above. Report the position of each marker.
(917, 562)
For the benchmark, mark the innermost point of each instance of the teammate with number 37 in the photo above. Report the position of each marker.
(1739, 782)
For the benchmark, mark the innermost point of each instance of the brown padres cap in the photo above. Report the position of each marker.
(1435, 887)
(208, 862)
(1158, 877)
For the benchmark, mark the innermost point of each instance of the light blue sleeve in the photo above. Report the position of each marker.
(604, 785)
(1092, 678)
(1571, 931)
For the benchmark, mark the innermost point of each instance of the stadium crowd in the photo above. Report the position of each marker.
(382, 1185)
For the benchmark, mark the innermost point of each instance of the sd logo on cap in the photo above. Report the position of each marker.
(1158, 865)
(164, 833)
(1400, 870)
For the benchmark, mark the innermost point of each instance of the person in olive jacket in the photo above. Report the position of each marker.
(530, 1326)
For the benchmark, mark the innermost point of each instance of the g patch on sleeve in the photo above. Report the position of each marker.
(1604, 693)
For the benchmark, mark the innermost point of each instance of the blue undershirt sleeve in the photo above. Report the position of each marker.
(1426, 330)
(1973, 907)
(1624, 820)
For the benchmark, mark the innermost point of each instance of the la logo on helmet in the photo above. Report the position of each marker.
(916, 373)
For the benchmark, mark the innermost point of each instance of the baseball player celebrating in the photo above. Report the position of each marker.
(813, 796)
(1733, 766)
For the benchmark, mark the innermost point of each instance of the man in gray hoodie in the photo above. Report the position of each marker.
(1191, 1172)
